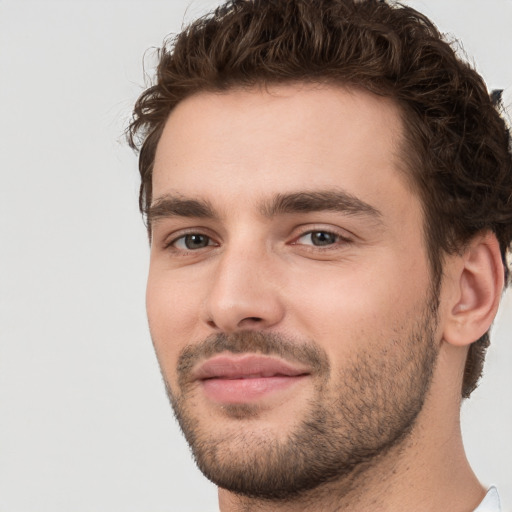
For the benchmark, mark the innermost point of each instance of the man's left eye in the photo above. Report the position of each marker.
(318, 238)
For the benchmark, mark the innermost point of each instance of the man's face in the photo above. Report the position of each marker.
(289, 296)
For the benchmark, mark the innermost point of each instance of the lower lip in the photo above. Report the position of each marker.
(238, 391)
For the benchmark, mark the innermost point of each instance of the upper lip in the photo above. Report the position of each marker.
(246, 366)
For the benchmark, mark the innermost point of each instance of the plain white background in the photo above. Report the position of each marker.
(84, 421)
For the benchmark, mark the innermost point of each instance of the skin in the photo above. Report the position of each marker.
(262, 273)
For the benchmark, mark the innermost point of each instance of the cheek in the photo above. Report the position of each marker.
(172, 310)
(353, 306)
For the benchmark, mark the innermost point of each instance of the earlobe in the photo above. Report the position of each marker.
(479, 282)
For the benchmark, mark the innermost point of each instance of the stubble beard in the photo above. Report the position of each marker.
(354, 419)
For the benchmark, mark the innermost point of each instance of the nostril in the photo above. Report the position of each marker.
(249, 321)
(245, 322)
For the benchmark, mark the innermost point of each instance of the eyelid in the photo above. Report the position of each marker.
(172, 238)
(182, 240)
(343, 235)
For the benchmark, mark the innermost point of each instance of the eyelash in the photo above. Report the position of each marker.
(338, 239)
(335, 244)
(170, 245)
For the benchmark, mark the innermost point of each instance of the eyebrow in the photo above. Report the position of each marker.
(170, 205)
(176, 206)
(316, 201)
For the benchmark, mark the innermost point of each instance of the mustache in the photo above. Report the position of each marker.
(307, 353)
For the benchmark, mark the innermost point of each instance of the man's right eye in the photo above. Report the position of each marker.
(191, 242)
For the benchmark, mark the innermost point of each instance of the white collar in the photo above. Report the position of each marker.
(491, 502)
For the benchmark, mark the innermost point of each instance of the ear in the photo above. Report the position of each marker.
(478, 284)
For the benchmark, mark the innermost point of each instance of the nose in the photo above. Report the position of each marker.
(244, 292)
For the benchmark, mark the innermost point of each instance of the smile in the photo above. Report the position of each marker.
(231, 379)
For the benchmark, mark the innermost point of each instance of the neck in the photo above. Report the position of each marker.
(428, 471)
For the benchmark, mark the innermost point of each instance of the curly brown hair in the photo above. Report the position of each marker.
(457, 148)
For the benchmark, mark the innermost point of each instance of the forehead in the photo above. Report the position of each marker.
(284, 138)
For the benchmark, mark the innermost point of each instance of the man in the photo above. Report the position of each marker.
(328, 196)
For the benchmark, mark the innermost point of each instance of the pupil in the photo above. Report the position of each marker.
(196, 241)
(322, 238)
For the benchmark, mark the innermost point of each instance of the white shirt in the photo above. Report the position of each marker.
(491, 502)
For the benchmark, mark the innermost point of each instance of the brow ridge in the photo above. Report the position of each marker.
(330, 200)
(171, 205)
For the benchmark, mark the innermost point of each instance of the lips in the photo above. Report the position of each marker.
(247, 378)
(246, 367)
